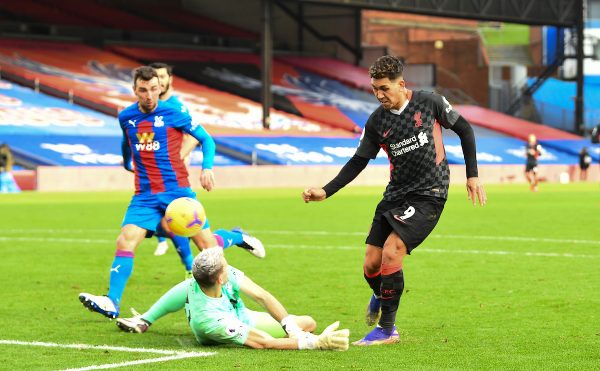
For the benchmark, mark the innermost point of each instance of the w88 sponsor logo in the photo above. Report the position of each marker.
(146, 142)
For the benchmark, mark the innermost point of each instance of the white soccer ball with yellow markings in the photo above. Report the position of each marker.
(185, 216)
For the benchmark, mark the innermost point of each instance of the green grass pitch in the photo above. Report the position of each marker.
(513, 285)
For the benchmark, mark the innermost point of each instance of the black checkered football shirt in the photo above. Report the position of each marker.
(412, 140)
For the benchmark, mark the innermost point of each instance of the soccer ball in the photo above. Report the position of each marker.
(185, 216)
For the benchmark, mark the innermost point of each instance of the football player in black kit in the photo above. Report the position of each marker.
(533, 151)
(408, 127)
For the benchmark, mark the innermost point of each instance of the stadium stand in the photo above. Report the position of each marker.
(101, 79)
(510, 125)
(239, 73)
(43, 130)
(29, 10)
(96, 14)
(351, 75)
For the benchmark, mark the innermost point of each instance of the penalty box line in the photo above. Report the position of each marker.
(168, 355)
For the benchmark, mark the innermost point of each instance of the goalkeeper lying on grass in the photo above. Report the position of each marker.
(217, 314)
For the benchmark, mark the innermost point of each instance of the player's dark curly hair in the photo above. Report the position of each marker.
(159, 65)
(387, 66)
(145, 73)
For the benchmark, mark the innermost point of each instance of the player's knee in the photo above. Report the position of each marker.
(372, 262)
(205, 239)
(394, 252)
(128, 239)
(306, 323)
(371, 268)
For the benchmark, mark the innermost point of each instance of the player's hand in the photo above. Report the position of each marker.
(333, 339)
(475, 191)
(207, 179)
(313, 194)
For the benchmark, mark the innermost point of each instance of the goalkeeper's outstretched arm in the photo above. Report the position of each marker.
(330, 339)
(299, 332)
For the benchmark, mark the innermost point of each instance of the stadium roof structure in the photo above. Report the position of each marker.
(560, 13)
(533, 12)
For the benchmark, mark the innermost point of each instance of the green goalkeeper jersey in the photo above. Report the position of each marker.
(221, 320)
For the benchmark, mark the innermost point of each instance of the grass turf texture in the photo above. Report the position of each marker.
(513, 285)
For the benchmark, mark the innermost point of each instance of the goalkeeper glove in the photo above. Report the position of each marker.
(330, 339)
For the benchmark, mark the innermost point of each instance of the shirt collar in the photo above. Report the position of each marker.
(399, 111)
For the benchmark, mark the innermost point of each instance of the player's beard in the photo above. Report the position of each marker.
(165, 90)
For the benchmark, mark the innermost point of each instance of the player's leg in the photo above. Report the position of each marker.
(392, 280)
(411, 223)
(172, 301)
(143, 214)
(535, 179)
(225, 239)
(378, 233)
(162, 246)
(131, 236)
(392, 286)
(182, 246)
(242, 239)
(528, 177)
(372, 274)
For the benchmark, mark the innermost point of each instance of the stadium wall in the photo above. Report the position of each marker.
(115, 178)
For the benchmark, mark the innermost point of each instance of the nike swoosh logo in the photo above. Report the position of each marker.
(398, 218)
(385, 134)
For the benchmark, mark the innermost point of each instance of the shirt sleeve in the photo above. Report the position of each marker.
(208, 145)
(443, 111)
(467, 141)
(348, 173)
(125, 149)
(368, 147)
(184, 123)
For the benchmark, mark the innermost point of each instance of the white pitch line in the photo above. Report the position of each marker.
(450, 251)
(59, 240)
(360, 246)
(516, 238)
(170, 354)
(333, 247)
(114, 232)
(133, 363)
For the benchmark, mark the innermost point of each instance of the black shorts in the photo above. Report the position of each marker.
(531, 166)
(412, 218)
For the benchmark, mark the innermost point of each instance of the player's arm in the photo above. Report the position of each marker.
(367, 149)
(189, 144)
(207, 178)
(450, 119)
(264, 298)
(475, 190)
(330, 339)
(347, 174)
(126, 152)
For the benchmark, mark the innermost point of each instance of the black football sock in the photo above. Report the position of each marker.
(374, 281)
(392, 286)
